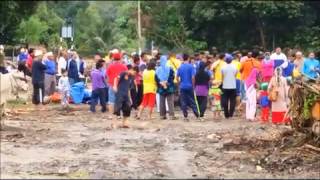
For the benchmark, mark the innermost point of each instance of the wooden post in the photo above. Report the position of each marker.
(139, 27)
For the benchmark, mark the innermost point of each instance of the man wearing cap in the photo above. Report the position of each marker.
(38, 71)
(113, 70)
(229, 72)
(50, 74)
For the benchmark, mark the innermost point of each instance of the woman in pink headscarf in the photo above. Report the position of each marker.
(251, 94)
(267, 68)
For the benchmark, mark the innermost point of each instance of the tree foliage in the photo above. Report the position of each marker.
(172, 25)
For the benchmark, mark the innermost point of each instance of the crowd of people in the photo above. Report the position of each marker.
(242, 83)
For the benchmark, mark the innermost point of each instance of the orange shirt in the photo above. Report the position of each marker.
(247, 66)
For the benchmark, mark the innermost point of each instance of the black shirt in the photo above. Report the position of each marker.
(38, 72)
(124, 84)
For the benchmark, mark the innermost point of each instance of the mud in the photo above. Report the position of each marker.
(78, 144)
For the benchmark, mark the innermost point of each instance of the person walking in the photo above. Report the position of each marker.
(202, 80)
(186, 79)
(122, 85)
(229, 87)
(165, 81)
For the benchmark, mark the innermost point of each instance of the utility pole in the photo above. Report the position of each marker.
(139, 26)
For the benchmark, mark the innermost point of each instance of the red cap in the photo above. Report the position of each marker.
(116, 56)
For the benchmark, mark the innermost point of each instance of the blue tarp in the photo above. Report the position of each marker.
(77, 92)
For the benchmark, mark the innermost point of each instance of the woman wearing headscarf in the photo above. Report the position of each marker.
(279, 96)
(267, 68)
(202, 80)
(165, 82)
(251, 94)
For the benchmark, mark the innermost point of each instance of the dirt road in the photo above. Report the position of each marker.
(78, 144)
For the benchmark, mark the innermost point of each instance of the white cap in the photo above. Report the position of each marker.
(1, 46)
(114, 51)
(49, 54)
(38, 52)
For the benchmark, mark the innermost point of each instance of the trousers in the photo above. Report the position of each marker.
(98, 94)
(187, 100)
(202, 101)
(170, 103)
(229, 101)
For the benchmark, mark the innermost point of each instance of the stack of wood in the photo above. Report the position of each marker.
(304, 108)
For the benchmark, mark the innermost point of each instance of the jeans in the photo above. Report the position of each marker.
(242, 91)
(98, 94)
(229, 96)
(187, 100)
(202, 102)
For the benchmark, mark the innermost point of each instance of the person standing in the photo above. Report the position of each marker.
(98, 88)
(298, 62)
(278, 91)
(186, 78)
(50, 74)
(30, 60)
(280, 59)
(246, 69)
(237, 64)
(22, 58)
(229, 87)
(62, 63)
(202, 80)
(165, 81)
(64, 88)
(267, 68)
(138, 81)
(38, 71)
(311, 67)
(73, 72)
(3, 69)
(149, 89)
(216, 67)
(113, 70)
(251, 93)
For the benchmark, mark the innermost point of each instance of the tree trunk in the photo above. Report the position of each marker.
(261, 32)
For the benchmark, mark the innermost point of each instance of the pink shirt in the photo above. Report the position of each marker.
(267, 68)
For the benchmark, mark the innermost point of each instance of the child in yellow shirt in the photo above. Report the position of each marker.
(149, 89)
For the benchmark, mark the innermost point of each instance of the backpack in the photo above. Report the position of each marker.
(264, 101)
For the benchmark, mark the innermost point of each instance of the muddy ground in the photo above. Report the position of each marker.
(79, 144)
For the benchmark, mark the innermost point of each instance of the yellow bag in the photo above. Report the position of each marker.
(273, 94)
(296, 73)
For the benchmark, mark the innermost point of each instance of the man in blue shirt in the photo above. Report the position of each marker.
(311, 67)
(50, 74)
(186, 74)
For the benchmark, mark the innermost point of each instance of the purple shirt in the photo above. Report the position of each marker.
(202, 90)
(97, 79)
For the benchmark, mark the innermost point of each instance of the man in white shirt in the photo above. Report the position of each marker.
(280, 59)
(229, 72)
